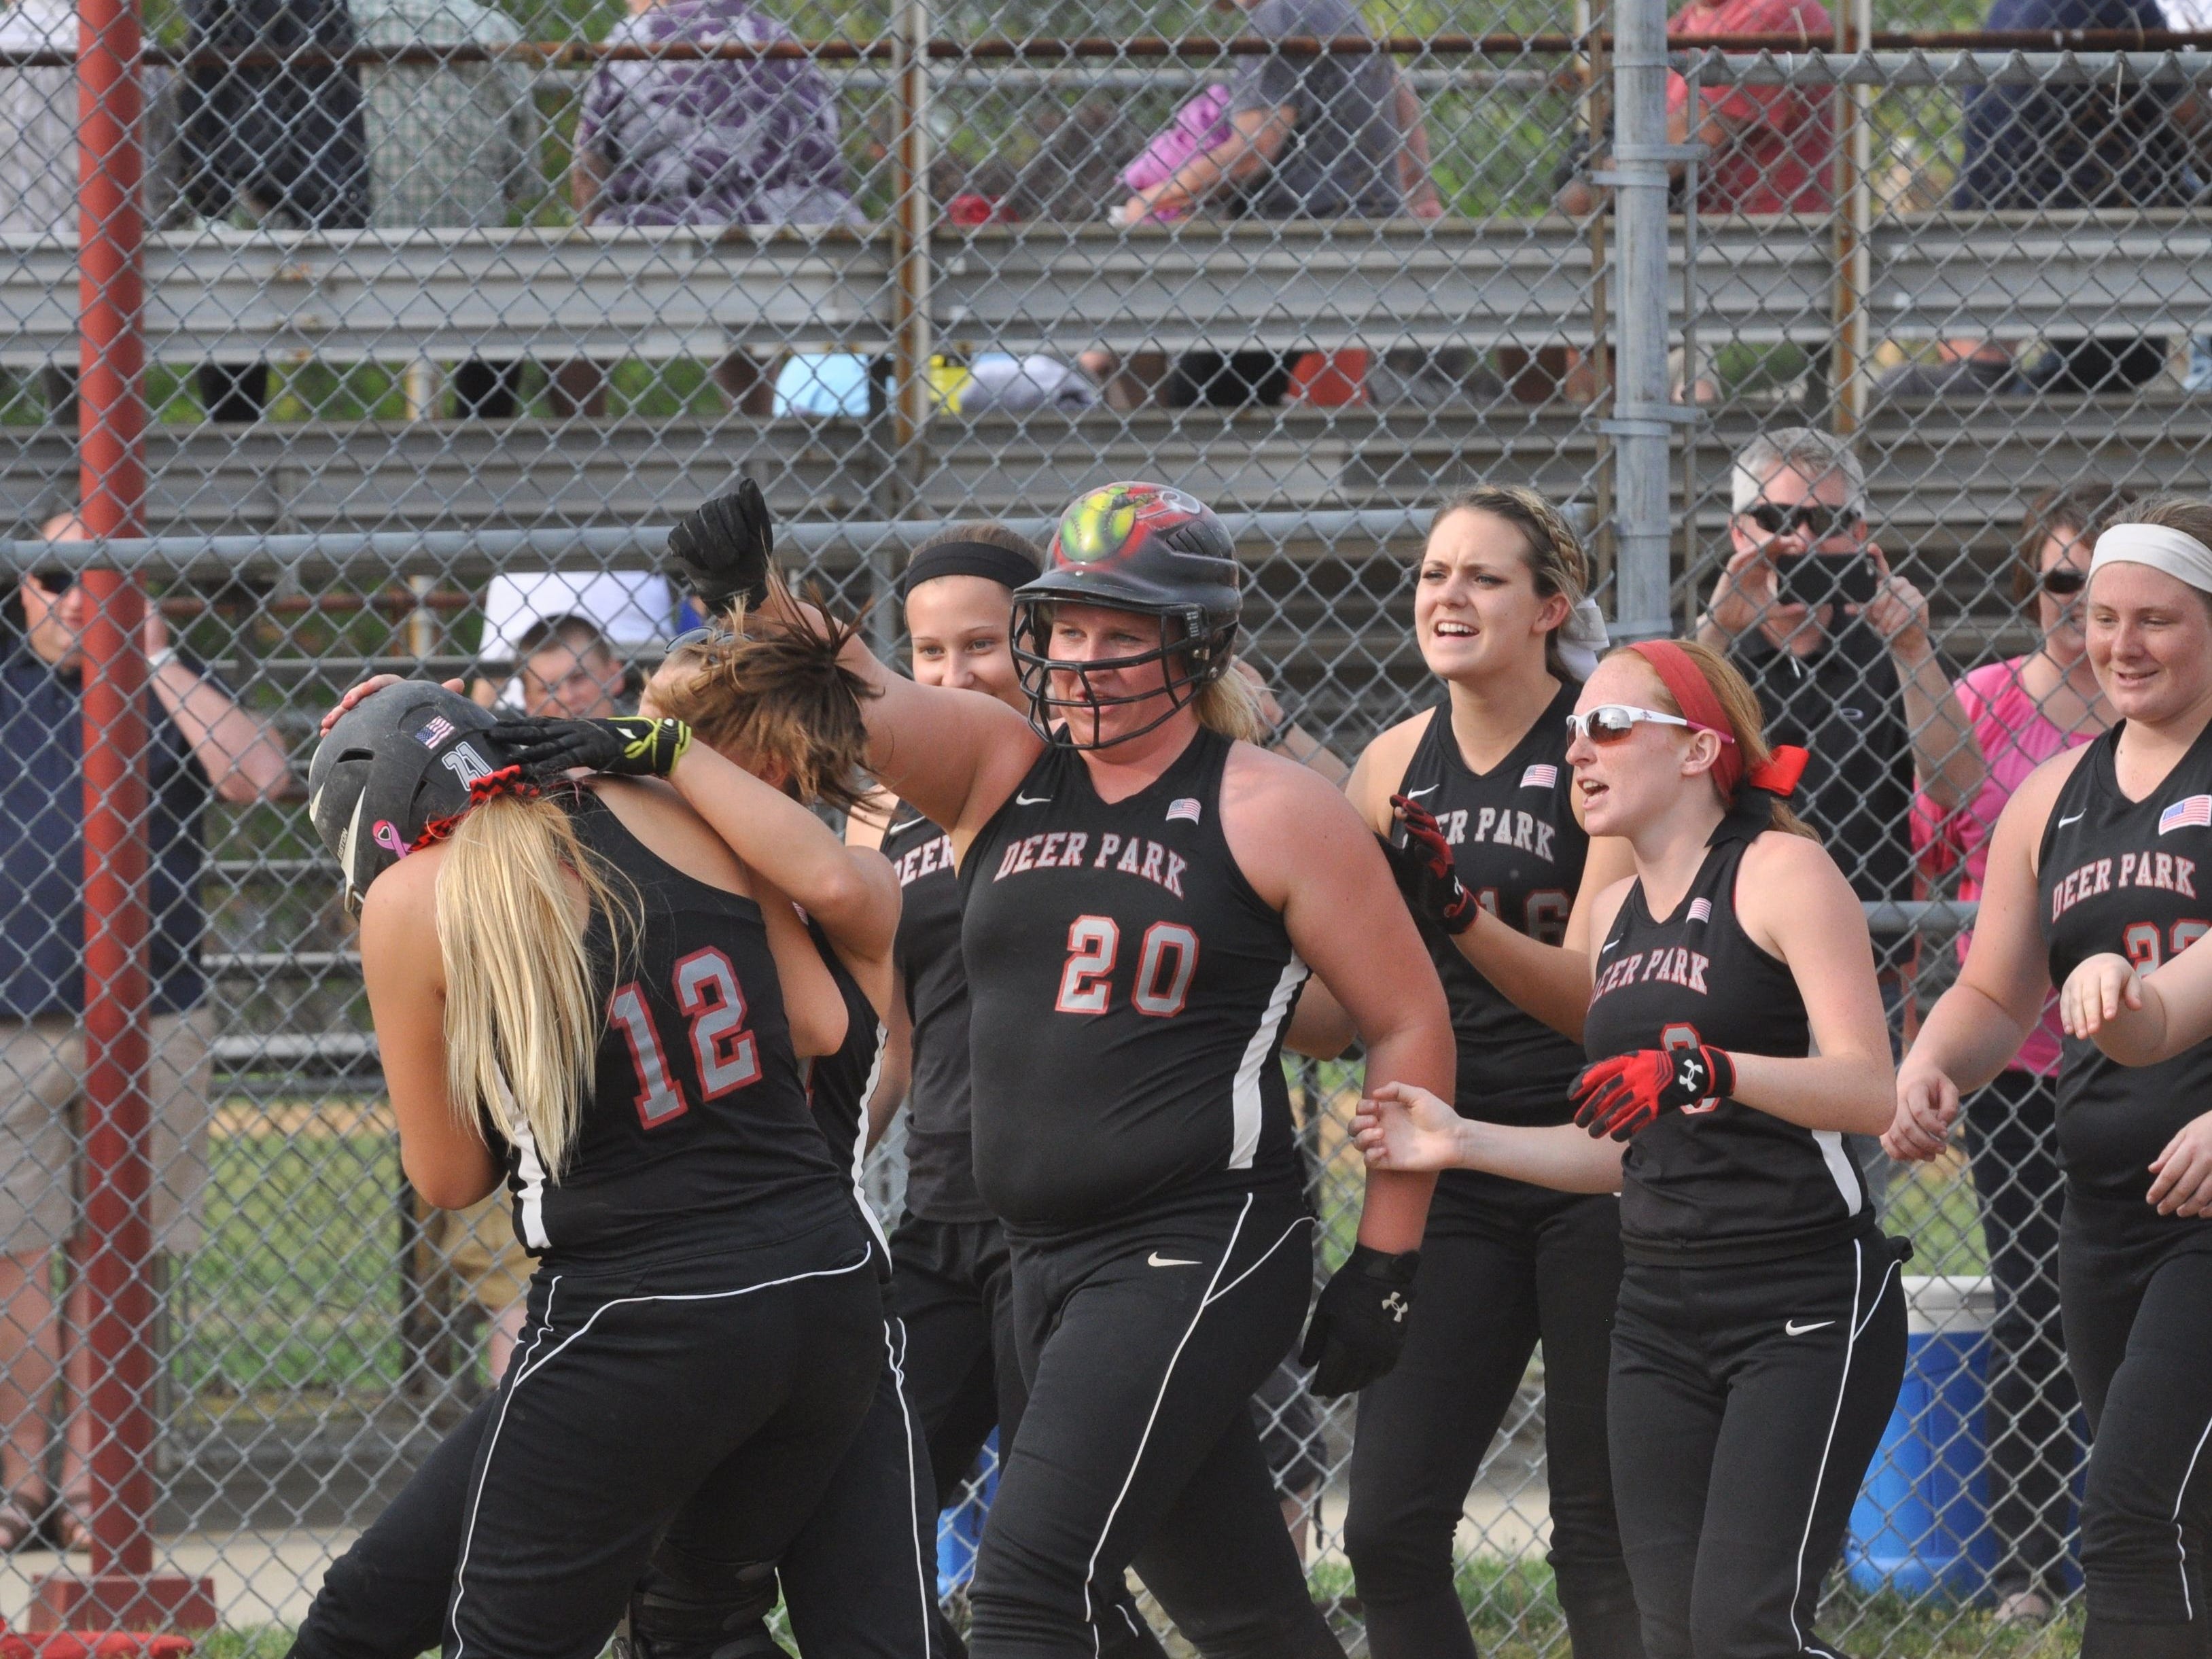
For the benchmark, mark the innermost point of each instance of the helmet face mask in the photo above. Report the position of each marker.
(1190, 660)
(1149, 551)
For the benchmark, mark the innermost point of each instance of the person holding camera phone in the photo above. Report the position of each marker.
(1838, 649)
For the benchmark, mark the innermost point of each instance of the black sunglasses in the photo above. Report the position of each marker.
(53, 583)
(1819, 522)
(2063, 581)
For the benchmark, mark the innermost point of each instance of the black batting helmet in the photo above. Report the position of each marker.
(394, 764)
(1147, 548)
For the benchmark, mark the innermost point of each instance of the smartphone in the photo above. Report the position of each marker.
(1817, 579)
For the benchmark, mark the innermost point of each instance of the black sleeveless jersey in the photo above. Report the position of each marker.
(1720, 1182)
(940, 1153)
(1131, 991)
(838, 1085)
(696, 1143)
(1520, 852)
(2134, 877)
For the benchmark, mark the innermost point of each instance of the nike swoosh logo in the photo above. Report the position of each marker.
(1156, 1260)
(1607, 946)
(2076, 818)
(1793, 1328)
(1415, 795)
(1030, 800)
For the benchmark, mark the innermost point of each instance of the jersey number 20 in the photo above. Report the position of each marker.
(1164, 964)
(727, 1055)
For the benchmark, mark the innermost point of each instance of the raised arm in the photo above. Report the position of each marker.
(955, 755)
(850, 890)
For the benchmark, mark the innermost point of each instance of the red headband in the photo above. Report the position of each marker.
(1686, 684)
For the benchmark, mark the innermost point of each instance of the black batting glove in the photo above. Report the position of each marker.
(722, 551)
(631, 747)
(1358, 1325)
(1427, 874)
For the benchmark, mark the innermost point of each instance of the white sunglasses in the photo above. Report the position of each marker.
(1609, 722)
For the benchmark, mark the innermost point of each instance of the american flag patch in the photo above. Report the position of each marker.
(1701, 910)
(1186, 809)
(1540, 777)
(436, 732)
(2193, 812)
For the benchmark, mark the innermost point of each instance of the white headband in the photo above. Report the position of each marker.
(2176, 552)
(1583, 639)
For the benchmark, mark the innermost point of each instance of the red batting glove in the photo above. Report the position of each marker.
(1427, 874)
(1620, 1096)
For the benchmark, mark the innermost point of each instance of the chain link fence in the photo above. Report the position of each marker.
(446, 305)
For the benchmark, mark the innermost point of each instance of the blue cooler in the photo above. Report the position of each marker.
(1922, 1520)
(960, 1529)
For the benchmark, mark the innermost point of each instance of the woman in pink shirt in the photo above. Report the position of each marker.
(2025, 710)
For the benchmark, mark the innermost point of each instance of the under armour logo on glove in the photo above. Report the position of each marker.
(1628, 1092)
(1358, 1327)
(1426, 872)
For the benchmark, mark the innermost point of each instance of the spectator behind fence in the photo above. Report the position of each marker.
(281, 144)
(628, 611)
(2079, 144)
(1855, 681)
(1326, 136)
(450, 144)
(1770, 149)
(2026, 709)
(713, 142)
(39, 154)
(202, 747)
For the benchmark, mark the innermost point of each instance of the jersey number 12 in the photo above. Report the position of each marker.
(726, 1053)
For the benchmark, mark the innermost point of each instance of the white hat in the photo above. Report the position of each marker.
(630, 608)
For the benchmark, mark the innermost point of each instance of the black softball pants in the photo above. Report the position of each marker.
(2137, 1295)
(2011, 1131)
(1746, 1402)
(952, 1288)
(1142, 1343)
(695, 1430)
(1548, 1270)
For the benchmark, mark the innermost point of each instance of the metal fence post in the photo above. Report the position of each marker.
(1643, 415)
(116, 1255)
(910, 227)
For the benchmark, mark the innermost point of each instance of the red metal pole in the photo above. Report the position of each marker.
(112, 415)
(116, 1253)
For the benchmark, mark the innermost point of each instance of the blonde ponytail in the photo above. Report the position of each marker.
(523, 1013)
(1230, 704)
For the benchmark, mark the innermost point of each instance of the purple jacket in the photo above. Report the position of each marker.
(716, 142)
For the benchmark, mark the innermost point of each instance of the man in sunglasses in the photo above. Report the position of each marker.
(201, 747)
(1838, 647)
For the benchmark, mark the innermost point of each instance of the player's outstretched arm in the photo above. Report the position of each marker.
(1977, 1025)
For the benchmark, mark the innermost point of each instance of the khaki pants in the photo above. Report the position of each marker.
(42, 1139)
(488, 1261)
